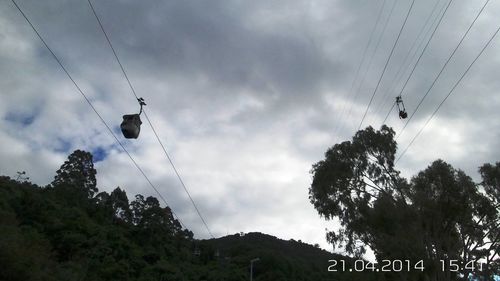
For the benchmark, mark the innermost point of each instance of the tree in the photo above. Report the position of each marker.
(78, 172)
(352, 176)
(153, 222)
(59, 234)
(445, 201)
(490, 223)
(441, 214)
(115, 205)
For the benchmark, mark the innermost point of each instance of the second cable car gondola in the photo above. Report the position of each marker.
(131, 124)
(401, 108)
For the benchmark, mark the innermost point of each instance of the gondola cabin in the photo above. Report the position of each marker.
(401, 107)
(131, 126)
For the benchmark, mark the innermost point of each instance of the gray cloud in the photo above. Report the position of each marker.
(246, 95)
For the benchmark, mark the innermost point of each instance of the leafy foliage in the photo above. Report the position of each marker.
(78, 174)
(440, 215)
(279, 259)
(70, 231)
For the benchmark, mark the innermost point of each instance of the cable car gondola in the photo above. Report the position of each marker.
(401, 108)
(131, 125)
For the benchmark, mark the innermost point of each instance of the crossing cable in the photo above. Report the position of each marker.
(356, 76)
(448, 95)
(95, 111)
(149, 121)
(442, 69)
(418, 60)
(371, 60)
(399, 73)
(386, 64)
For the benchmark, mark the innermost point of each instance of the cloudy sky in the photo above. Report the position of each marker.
(245, 95)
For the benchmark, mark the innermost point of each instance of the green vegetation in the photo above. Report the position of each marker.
(440, 216)
(279, 259)
(69, 231)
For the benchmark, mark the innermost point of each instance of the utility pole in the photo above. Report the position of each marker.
(251, 267)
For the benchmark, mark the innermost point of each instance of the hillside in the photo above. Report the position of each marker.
(279, 259)
(69, 230)
(59, 240)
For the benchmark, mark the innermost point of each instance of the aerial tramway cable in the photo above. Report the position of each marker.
(418, 60)
(96, 112)
(149, 122)
(442, 69)
(447, 96)
(337, 127)
(370, 61)
(413, 50)
(386, 63)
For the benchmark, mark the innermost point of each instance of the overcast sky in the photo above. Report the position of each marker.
(246, 96)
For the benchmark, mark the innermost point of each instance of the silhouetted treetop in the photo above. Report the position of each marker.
(439, 216)
(78, 171)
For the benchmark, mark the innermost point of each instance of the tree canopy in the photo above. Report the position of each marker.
(438, 216)
(78, 172)
(69, 230)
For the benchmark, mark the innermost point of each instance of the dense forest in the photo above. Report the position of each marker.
(69, 230)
